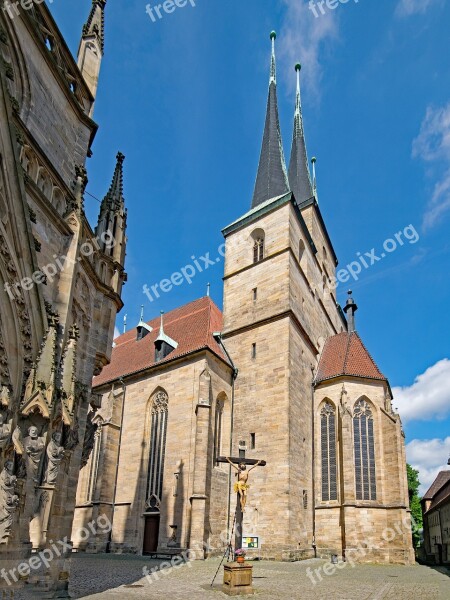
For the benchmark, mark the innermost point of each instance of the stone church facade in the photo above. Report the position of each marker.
(60, 283)
(283, 371)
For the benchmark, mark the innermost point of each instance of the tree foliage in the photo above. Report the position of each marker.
(414, 503)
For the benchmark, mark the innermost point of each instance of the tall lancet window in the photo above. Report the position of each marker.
(258, 237)
(258, 250)
(328, 450)
(93, 471)
(218, 425)
(365, 475)
(158, 434)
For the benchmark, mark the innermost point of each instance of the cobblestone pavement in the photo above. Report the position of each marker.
(104, 577)
(120, 577)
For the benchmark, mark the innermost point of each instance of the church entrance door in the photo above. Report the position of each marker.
(151, 534)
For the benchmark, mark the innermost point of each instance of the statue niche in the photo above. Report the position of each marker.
(33, 446)
(9, 500)
(55, 455)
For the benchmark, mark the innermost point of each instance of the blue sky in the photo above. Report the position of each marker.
(184, 99)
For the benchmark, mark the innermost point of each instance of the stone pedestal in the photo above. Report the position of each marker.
(237, 579)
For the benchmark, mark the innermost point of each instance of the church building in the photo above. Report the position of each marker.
(61, 280)
(282, 371)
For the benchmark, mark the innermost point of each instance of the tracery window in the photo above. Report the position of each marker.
(158, 434)
(364, 442)
(218, 425)
(258, 250)
(328, 450)
(95, 459)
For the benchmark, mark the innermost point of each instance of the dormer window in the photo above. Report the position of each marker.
(164, 344)
(142, 328)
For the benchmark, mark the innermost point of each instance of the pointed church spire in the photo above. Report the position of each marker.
(299, 176)
(112, 221)
(95, 25)
(114, 198)
(92, 46)
(271, 179)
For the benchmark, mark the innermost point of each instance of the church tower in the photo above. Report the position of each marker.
(90, 52)
(309, 399)
(278, 312)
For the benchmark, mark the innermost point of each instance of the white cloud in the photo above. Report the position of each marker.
(405, 8)
(428, 457)
(433, 146)
(302, 40)
(428, 397)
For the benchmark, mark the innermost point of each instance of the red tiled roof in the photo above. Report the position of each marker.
(442, 497)
(442, 478)
(345, 354)
(191, 326)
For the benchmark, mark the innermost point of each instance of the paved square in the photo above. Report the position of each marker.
(105, 577)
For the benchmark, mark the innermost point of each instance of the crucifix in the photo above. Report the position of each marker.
(241, 486)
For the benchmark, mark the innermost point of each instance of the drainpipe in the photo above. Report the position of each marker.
(218, 337)
(108, 546)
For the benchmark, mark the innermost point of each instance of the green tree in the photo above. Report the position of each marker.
(414, 503)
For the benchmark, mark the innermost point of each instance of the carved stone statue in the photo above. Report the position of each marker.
(55, 455)
(5, 431)
(89, 439)
(34, 447)
(9, 500)
(241, 486)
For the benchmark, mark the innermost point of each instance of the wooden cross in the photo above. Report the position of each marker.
(239, 461)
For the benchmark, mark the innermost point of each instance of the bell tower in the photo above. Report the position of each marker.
(277, 315)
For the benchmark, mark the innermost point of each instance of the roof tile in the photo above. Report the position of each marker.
(191, 325)
(345, 354)
(442, 478)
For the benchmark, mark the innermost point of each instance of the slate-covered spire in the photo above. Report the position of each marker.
(299, 175)
(271, 179)
(92, 46)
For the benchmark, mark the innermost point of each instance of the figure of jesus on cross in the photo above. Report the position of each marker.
(241, 486)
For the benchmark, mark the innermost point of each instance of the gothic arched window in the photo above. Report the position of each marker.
(218, 425)
(258, 250)
(95, 460)
(258, 237)
(158, 434)
(328, 451)
(363, 431)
